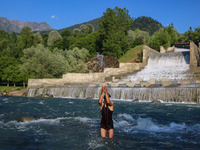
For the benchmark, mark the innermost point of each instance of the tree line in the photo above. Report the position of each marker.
(50, 55)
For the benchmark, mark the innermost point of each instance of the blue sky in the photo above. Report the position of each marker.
(64, 13)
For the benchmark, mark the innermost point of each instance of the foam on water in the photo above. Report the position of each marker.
(128, 124)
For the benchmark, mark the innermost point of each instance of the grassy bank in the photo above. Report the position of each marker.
(10, 88)
(132, 54)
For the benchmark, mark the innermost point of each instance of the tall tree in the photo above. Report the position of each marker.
(113, 26)
(54, 37)
(26, 39)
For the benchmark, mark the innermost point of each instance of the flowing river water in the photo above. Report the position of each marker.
(64, 124)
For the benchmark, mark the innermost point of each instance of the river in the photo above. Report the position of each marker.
(65, 124)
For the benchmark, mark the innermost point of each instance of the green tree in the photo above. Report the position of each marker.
(26, 39)
(147, 24)
(76, 60)
(66, 33)
(9, 69)
(86, 28)
(113, 26)
(41, 63)
(166, 37)
(138, 37)
(4, 40)
(37, 39)
(76, 30)
(89, 42)
(53, 38)
(45, 37)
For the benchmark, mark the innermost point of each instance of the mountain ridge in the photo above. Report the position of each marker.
(144, 23)
(16, 25)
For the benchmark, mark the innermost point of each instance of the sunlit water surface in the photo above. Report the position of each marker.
(63, 124)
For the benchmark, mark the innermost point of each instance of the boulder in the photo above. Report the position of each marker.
(108, 62)
(5, 93)
(136, 100)
(27, 118)
(18, 93)
(48, 95)
(155, 101)
(89, 98)
(39, 95)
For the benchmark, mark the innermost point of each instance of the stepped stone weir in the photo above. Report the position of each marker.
(170, 76)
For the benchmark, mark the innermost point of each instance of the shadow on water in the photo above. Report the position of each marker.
(186, 56)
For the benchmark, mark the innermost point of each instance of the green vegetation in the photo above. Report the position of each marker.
(146, 24)
(132, 54)
(9, 88)
(113, 27)
(49, 55)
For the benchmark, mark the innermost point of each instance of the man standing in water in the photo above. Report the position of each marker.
(106, 107)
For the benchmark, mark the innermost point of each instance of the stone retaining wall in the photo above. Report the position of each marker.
(194, 55)
(86, 78)
(146, 51)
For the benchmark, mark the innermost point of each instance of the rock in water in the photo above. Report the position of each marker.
(155, 101)
(23, 119)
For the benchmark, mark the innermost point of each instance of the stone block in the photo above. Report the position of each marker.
(126, 80)
(166, 83)
(115, 80)
(184, 82)
(121, 82)
(139, 80)
(114, 84)
(144, 84)
(164, 79)
(130, 84)
(152, 81)
(92, 85)
(197, 81)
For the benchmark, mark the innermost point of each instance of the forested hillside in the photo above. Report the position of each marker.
(147, 24)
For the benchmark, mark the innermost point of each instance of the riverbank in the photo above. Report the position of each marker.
(12, 91)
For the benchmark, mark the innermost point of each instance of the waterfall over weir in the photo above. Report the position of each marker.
(170, 94)
(174, 66)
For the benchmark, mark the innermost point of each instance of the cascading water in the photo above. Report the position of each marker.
(101, 62)
(147, 94)
(174, 66)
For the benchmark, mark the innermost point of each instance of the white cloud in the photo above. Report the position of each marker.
(52, 17)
